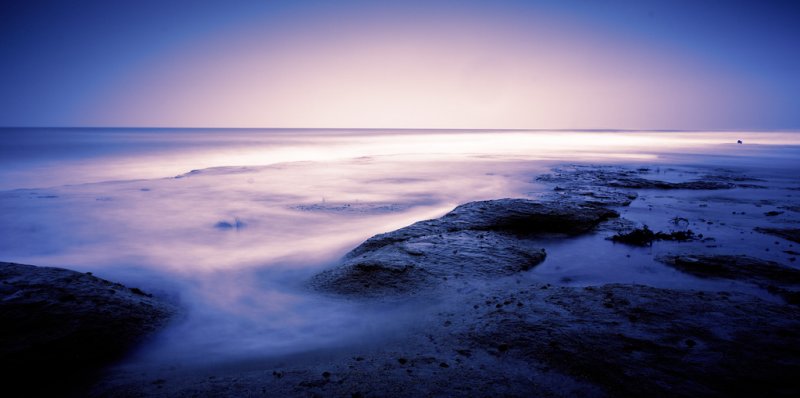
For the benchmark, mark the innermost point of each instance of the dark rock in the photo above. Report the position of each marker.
(566, 342)
(792, 234)
(356, 208)
(606, 197)
(223, 225)
(645, 237)
(651, 342)
(642, 183)
(513, 216)
(57, 326)
(486, 335)
(773, 213)
(237, 224)
(423, 262)
(778, 279)
(679, 236)
(136, 290)
(584, 184)
(679, 221)
(616, 186)
(639, 237)
(477, 240)
(733, 267)
(751, 186)
(616, 177)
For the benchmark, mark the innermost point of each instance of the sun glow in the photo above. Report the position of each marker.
(466, 72)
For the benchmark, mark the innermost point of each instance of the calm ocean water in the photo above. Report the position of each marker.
(232, 222)
(39, 157)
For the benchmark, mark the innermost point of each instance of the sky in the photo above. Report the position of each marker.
(568, 64)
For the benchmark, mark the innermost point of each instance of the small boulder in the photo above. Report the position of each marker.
(58, 326)
(645, 237)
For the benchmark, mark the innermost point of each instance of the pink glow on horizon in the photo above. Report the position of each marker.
(466, 72)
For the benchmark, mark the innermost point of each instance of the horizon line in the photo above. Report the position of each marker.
(666, 130)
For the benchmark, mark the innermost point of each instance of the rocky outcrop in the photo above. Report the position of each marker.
(586, 184)
(476, 240)
(544, 341)
(792, 234)
(617, 177)
(732, 267)
(58, 326)
(643, 183)
(424, 261)
(521, 217)
(645, 237)
(477, 333)
(774, 277)
(641, 341)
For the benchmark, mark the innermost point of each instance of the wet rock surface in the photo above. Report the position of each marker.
(778, 279)
(792, 234)
(425, 261)
(610, 340)
(589, 184)
(488, 328)
(733, 267)
(476, 240)
(355, 208)
(59, 326)
(619, 177)
(541, 340)
(636, 340)
(645, 237)
(521, 217)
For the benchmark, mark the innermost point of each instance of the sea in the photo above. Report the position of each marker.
(231, 223)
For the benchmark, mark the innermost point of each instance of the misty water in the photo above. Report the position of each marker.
(230, 224)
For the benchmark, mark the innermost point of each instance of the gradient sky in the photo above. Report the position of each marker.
(415, 64)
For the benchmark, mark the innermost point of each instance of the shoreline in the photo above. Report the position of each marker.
(443, 351)
(544, 260)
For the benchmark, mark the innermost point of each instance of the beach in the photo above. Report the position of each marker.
(399, 199)
(574, 297)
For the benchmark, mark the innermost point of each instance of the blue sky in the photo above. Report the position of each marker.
(459, 64)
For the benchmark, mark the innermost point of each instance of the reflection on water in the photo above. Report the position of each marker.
(52, 157)
(264, 209)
